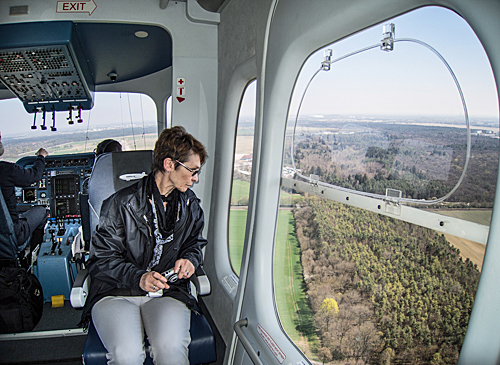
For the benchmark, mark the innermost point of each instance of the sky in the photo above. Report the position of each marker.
(411, 80)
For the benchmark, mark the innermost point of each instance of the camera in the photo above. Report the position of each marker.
(170, 275)
(112, 76)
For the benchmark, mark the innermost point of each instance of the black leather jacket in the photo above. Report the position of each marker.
(122, 245)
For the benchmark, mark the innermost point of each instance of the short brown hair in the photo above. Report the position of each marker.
(175, 143)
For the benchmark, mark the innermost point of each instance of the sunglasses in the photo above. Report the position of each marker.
(193, 172)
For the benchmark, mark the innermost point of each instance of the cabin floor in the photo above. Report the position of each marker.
(41, 349)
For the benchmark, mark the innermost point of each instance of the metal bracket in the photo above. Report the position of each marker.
(387, 43)
(325, 65)
(313, 180)
(392, 203)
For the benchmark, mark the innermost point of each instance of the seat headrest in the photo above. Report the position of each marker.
(130, 166)
(112, 172)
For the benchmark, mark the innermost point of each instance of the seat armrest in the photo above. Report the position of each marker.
(78, 244)
(80, 289)
(201, 282)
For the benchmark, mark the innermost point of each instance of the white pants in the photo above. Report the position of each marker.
(121, 322)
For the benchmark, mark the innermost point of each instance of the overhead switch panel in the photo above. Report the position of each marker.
(46, 72)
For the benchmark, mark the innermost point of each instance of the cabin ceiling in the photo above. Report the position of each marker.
(112, 48)
(117, 48)
(114, 52)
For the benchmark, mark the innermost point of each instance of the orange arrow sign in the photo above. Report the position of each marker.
(76, 7)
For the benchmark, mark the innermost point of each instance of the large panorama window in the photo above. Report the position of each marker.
(128, 118)
(417, 126)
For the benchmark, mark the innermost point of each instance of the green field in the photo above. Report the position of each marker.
(481, 216)
(293, 309)
(237, 225)
(241, 190)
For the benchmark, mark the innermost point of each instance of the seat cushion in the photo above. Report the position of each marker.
(201, 348)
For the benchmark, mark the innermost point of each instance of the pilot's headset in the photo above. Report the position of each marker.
(108, 145)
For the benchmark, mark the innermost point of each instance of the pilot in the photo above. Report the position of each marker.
(144, 230)
(31, 222)
(107, 145)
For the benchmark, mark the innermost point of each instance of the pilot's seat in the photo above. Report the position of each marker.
(112, 172)
(9, 250)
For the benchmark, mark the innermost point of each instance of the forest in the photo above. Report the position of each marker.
(382, 291)
(421, 162)
(15, 147)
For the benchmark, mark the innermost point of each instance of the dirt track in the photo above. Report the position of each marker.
(468, 249)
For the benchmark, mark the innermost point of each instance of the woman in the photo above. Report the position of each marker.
(144, 230)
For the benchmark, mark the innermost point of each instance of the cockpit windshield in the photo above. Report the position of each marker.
(126, 117)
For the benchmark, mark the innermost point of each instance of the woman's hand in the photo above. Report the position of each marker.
(184, 268)
(153, 281)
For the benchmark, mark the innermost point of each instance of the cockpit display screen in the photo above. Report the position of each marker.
(65, 189)
(65, 185)
(29, 195)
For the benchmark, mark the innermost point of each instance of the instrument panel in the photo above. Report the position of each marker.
(58, 190)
